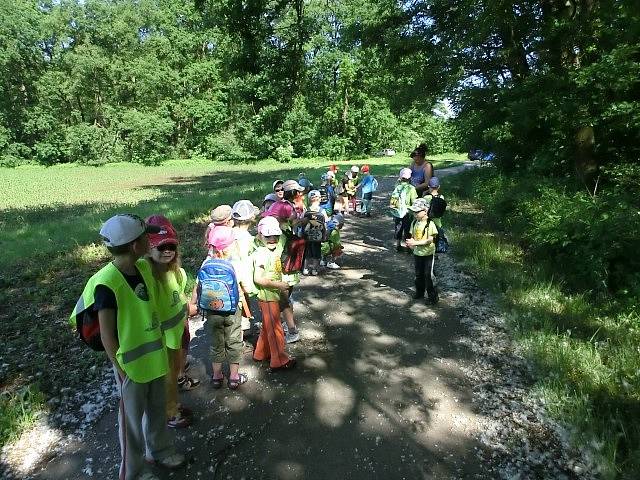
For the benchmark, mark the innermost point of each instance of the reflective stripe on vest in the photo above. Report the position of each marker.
(172, 307)
(141, 353)
(175, 320)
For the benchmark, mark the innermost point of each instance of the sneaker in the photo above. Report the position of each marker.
(292, 337)
(245, 323)
(333, 266)
(418, 296)
(323, 263)
(178, 422)
(186, 383)
(305, 271)
(285, 327)
(314, 272)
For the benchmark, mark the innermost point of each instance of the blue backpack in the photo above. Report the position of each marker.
(218, 291)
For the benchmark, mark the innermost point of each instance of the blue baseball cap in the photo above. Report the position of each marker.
(434, 182)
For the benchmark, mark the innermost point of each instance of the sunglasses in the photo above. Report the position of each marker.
(168, 247)
(278, 189)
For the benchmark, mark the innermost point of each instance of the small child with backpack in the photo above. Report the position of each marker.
(315, 232)
(437, 208)
(423, 243)
(271, 289)
(332, 248)
(218, 298)
(220, 216)
(327, 194)
(368, 185)
(351, 186)
(402, 197)
(117, 313)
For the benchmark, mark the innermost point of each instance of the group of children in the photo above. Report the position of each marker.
(136, 307)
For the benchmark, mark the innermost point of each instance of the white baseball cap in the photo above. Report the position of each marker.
(355, 169)
(405, 173)
(269, 226)
(244, 210)
(125, 228)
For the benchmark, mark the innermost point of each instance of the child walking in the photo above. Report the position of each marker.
(368, 184)
(123, 296)
(271, 287)
(422, 242)
(173, 309)
(226, 329)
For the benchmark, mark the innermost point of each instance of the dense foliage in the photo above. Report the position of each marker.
(106, 80)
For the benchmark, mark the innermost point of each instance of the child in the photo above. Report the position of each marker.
(401, 199)
(226, 330)
(351, 185)
(314, 233)
(269, 200)
(271, 288)
(327, 194)
(422, 242)
(122, 295)
(368, 184)
(244, 214)
(434, 192)
(278, 189)
(173, 308)
(220, 216)
(332, 248)
(285, 215)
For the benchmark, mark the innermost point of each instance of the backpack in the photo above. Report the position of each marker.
(324, 194)
(293, 254)
(398, 201)
(440, 240)
(217, 290)
(437, 207)
(88, 329)
(374, 185)
(315, 230)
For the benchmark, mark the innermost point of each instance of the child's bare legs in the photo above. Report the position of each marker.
(287, 314)
(217, 370)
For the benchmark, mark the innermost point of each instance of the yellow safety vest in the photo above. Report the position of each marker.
(172, 306)
(142, 354)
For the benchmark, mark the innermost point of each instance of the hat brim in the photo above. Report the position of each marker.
(418, 209)
(152, 228)
(296, 189)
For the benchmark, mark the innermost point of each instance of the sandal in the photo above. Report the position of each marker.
(217, 382)
(234, 383)
(186, 383)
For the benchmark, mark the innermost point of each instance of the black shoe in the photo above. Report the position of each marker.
(418, 296)
(368, 214)
(432, 301)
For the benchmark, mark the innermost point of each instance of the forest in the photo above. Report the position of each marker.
(551, 87)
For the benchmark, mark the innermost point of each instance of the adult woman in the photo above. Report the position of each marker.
(421, 170)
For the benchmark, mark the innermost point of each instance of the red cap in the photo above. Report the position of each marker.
(167, 233)
(365, 168)
(334, 168)
(280, 210)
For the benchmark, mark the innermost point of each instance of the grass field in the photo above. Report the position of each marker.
(49, 222)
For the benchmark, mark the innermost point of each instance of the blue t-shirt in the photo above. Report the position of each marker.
(368, 183)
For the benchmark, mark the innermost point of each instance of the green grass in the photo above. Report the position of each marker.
(49, 222)
(586, 348)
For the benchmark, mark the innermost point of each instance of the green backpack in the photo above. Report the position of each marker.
(398, 201)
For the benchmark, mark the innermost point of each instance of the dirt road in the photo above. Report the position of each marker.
(385, 387)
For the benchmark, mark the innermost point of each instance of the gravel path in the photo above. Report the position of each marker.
(386, 388)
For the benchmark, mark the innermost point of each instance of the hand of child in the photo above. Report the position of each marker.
(283, 286)
(410, 242)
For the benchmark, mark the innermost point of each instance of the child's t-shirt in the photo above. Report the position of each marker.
(105, 298)
(269, 264)
(421, 230)
(368, 183)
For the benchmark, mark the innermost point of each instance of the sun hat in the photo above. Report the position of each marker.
(270, 197)
(221, 237)
(355, 169)
(365, 168)
(314, 194)
(405, 173)
(419, 205)
(244, 210)
(434, 182)
(221, 214)
(166, 235)
(292, 185)
(280, 210)
(273, 187)
(124, 228)
(268, 227)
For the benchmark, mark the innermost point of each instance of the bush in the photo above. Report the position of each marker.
(87, 144)
(146, 136)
